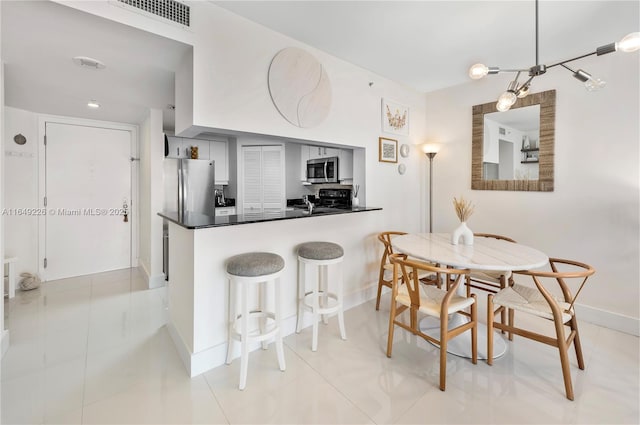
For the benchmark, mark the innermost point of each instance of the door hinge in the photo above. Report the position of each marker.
(45, 140)
(45, 263)
(45, 201)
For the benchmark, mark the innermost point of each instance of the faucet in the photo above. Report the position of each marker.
(308, 203)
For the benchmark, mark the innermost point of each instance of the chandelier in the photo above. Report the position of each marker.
(629, 43)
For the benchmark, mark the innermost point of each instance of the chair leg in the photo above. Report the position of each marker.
(474, 330)
(279, 344)
(323, 276)
(576, 342)
(301, 293)
(490, 329)
(232, 318)
(343, 333)
(444, 337)
(262, 299)
(564, 359)
(244, 354)
(503, 314)
(511, 322)
(379, 289)
(392, 318)
(316, 316)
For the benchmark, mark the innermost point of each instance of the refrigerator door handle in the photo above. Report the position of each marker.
(181, 191)
(325, 171)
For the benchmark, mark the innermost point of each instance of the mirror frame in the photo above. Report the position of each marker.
(547, 102)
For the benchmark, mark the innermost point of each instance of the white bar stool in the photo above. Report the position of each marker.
(318, 300)
(243, 271)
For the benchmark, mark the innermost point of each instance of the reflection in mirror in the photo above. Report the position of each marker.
(510, 149)
(513, 150)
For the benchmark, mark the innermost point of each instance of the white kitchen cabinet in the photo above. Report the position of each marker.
(180, 147)
(224, 211)
(345, 164)
(175, 147)
(220, 154)
(304, 157)
(316, 152)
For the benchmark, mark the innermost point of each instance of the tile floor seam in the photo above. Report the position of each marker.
(324, 378)
(224, 413)
(86, 354)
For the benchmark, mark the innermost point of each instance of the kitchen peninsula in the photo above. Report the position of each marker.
(200, 245)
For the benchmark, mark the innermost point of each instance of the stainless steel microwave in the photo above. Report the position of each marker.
(322, 170)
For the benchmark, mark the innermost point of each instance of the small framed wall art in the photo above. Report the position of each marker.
(395, 118)
(388, 150)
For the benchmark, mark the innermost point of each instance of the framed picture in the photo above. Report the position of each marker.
(388, 150)
(395, 117)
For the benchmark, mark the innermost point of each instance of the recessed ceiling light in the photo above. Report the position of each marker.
(87, 62)
(93, 104)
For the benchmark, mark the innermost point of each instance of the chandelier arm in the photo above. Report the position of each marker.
(513, 70)
(572, 59)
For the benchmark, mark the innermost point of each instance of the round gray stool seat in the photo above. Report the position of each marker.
(320, 251)
(254, 264)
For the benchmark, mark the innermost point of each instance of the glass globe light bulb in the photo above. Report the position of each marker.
(594, 84)
(523, 92)
(630, 43)
(478, 71)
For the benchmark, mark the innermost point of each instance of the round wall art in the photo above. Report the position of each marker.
(299, 87)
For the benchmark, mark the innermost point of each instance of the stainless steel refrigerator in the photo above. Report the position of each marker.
(188, 188)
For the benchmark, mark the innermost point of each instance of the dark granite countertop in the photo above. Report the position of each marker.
(201, 221)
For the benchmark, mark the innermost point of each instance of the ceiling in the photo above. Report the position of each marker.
(429, 45)
(426, 45)
(39, 40)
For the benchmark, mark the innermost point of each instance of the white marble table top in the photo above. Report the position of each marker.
(484, 254)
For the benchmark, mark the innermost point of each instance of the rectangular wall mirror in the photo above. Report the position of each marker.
(513, 150)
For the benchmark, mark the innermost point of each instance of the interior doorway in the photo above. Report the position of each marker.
(87, 195)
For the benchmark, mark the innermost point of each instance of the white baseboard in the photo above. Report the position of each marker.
(155, 281)
(607, 319)
(5, 342)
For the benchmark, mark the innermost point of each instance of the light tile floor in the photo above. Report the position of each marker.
(94, 349)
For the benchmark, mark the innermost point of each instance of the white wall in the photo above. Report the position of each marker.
(21, 188)
(593, 214)
(151, 197)
(231, 57)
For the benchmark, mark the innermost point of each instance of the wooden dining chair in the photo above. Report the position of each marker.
(386, 268)
(430, 301)
(541, 302)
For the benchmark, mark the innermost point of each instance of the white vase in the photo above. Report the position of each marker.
(355, 202)
(462, 231)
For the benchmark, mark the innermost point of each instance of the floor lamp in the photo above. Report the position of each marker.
(430, 151)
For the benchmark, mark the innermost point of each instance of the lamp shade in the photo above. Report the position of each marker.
(430, 148)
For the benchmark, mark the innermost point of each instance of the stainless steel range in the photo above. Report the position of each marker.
(336, 198)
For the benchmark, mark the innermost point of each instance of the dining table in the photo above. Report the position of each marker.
(485, 254)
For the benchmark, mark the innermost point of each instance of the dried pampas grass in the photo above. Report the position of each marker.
(464, 208)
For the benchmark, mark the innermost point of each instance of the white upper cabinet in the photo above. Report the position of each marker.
(219, 152)
(345, 164)
(175, 147)
(316, 152)
(180, 147)
(304, 157)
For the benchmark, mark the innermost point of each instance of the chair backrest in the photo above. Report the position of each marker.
(490, 235)
(570, 270)
(385, 238)
(410, 270)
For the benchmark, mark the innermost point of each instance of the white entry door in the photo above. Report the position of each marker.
(87, 185)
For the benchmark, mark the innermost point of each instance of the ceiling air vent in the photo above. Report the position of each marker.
(172, 10)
